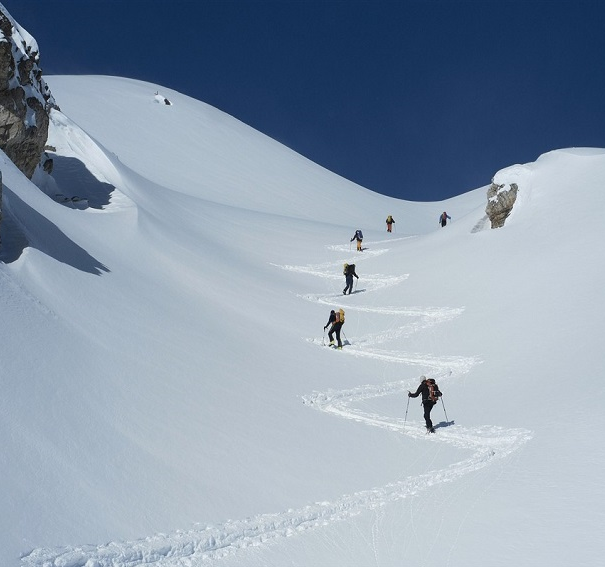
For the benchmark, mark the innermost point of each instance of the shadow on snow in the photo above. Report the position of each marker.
(22, 227)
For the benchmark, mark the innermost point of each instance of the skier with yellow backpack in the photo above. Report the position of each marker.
(337, 320)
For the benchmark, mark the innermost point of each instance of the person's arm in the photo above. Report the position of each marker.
(330, 320)
(416, 393)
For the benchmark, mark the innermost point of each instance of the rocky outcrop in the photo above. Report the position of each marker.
(25, 100)
(507, 185)
(500, 201)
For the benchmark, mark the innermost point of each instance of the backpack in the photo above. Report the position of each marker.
(390, 219)
(345, 270)
(349, 269)
(340, 316)
(434, 393)
(359, 234)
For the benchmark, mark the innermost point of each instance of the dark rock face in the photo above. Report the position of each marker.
(25, 100)
(500, 201)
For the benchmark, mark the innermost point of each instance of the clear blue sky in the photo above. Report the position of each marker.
(420, 100)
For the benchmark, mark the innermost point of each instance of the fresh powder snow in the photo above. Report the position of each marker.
(167, 395)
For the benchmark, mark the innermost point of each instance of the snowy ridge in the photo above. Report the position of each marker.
(206, 544)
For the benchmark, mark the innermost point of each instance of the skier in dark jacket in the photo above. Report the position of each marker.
(430, 394)
(443, 218)
(349, 272)
(335, 321)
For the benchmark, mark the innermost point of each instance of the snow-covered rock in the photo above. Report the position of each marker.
(502, 193)
(25, 99)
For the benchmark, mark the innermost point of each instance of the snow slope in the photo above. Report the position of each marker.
(166, 396)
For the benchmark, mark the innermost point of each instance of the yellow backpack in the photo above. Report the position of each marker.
(340, 316)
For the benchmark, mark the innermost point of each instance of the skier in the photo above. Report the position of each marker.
(337, 319)
(349, 272)
(390, 221)
(359, 236)
(443, 218)
(430, 394)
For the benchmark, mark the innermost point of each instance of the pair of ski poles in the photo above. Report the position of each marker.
(408, 406)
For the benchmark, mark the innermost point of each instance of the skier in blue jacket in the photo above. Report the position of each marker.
(443, 218)
(359, 237)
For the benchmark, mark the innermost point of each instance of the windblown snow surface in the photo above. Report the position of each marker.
(167, 398)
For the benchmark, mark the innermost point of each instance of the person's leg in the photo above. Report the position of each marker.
(331, 335)
(338, 327)
(428, 406)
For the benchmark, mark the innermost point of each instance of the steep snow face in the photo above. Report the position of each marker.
(216, 157)
(167, 396)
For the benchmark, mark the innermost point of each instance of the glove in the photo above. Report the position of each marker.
(409, 394)
(357, 277)
(351, 240)
(325, 327)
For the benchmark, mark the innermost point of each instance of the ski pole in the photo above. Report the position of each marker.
(323, 339)
(406, 411)
(443, 404)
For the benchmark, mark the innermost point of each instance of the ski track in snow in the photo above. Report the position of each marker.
(205, 545)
